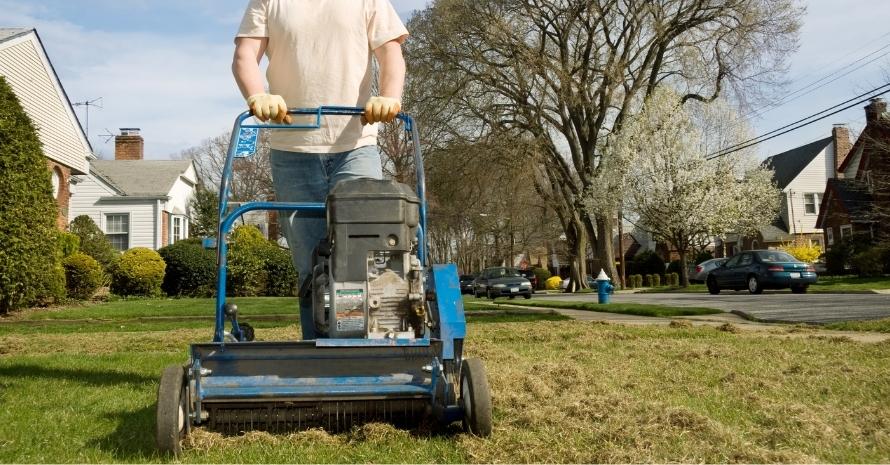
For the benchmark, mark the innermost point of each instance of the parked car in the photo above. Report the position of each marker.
(500, 282)
(466, 283)
(757, 270)
(530, 276)
(700, 274)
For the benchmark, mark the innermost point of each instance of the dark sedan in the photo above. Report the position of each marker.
(501, 281)
(757, 270)
(466, 283)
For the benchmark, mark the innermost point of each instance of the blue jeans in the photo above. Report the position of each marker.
(308, 177)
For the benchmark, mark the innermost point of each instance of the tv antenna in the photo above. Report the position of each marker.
(89, 103)
(107, 136)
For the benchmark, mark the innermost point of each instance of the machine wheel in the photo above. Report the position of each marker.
(172, 410)
(713, 288)
(798, 289)
(475, 397)
(754, 286)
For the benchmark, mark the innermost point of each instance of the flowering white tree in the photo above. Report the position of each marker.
(661, 163)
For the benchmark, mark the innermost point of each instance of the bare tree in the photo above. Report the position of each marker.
(567, 73)
(252, 176)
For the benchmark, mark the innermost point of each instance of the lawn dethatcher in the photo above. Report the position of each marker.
(390, 327)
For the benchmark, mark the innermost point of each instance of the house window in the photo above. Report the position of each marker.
(846, 231)
(811, 203)
(180, 228)
(117, 228)
(830, 234)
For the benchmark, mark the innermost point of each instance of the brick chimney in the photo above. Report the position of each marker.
(128, 145)
(842, 145)
(874, 110)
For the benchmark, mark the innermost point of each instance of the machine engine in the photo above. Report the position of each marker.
(367, 281)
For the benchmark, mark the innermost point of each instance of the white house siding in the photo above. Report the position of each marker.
(810, 180)
(853, 165)
(27, 70)
(86, 201)
(181, 193)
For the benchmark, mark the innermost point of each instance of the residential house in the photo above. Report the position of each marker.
(27, 69)
(801, 174)
(137, 202)
(857, 202)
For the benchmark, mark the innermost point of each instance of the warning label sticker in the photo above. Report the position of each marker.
(350, 312)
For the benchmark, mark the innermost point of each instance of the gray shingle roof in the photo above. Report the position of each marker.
(11, 32)
(141, 178)
(787, 165)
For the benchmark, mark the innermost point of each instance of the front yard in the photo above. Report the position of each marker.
(81, 388)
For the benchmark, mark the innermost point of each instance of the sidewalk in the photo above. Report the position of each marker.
(719, 320)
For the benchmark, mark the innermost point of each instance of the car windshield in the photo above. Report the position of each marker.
(505, 273)
(774, 256)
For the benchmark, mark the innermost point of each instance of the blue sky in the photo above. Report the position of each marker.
(163, 65)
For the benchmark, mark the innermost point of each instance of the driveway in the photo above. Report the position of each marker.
(777, 307)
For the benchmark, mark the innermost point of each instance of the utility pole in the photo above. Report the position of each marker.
(89, 103)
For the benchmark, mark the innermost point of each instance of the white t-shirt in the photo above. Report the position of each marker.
(320, 54)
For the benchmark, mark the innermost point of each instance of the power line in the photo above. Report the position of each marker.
(784, 100)
(775, 132)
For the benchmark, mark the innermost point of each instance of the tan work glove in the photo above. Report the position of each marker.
(269, 107)
(381, 110)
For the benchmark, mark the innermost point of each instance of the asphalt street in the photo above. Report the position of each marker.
(778, 307)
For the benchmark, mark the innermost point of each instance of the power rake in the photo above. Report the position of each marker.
(390, 327)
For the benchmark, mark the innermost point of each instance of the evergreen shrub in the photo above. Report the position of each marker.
(83, 276)
(30, 262)
(93, 241)
(191, 269)
(138, 272)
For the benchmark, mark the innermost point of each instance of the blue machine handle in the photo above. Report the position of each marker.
(227, 220)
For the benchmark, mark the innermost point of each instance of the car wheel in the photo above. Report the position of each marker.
(527, 296)
(713, 288)
(754, 286)
(798, 289)
(491, 295)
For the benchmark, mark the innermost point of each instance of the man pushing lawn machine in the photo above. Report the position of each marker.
(382, 329)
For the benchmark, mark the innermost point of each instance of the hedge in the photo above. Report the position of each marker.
(191, 269)
(30, 261)
(93, 241)
(257, 266)
(139, 272)
(83, 276)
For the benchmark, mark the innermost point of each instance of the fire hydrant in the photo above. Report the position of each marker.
(604, 287)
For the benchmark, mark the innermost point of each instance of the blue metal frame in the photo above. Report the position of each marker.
(227, 219)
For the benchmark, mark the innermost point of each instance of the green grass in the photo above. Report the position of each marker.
(691, 289)
(624, 308)
(136, 308)
(831, 284)
(881, 326)
(563, 391)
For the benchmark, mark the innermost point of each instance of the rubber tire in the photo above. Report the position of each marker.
(757, 289)
(475, 397)
(170, 428)
(527, 296)
(799, 289)
(490, 295)
(713, 289)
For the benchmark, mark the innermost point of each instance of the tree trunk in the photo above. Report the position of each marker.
(684, 272)
(605, 251)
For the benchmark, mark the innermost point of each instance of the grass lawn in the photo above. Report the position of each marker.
(563, 391)
(624, 308)
(850, 284)
(881, 326)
